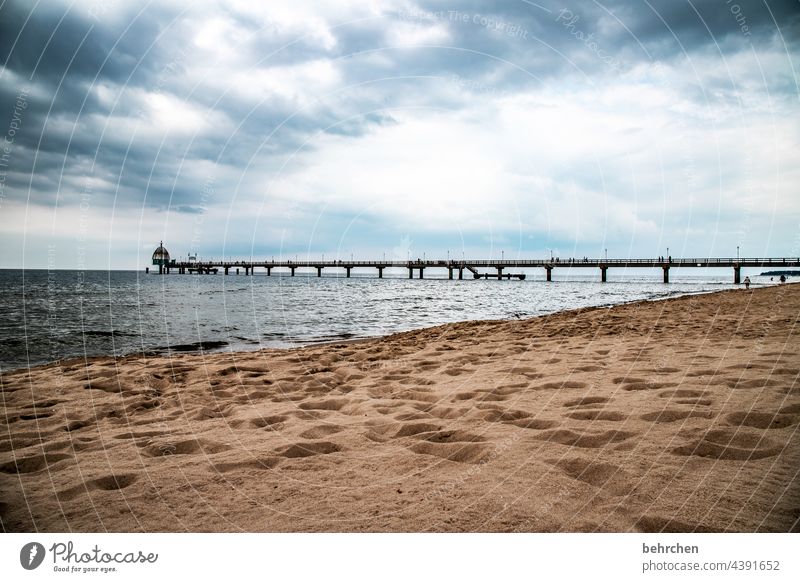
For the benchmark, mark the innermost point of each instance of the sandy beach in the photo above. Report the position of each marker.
(676, 415)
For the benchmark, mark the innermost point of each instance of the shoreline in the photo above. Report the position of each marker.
(164, 351)
(674, 414)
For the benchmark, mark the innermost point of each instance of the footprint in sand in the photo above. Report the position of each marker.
(107, 483)
(533, 423)
(673, 414)
(302, 450)
(139, 434)
(702, 373)
(757, 383)
(663, 370)
(731, 444)
(312, 414)
(597, 415)
(274, 422)
(35, 463)
(472, 453)
(683, 396)
(503, 415)
(748, 366)
(442, 412)
(262, 464)
(35, 415)
(649, 385)
(330, 404)
(587, 401)
(589, 368)
(627, 380)
(418, 396)
(414, 381)
(763, 420)
(566, 384)
(321, 431)
(187, 447)
(110, 385)
(590, 440)
(498, 394)
(425, 365)
(450, 436)
(405, 416)
(416, 428)
(607, 477)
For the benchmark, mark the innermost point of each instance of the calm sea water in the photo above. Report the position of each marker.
(48, 316)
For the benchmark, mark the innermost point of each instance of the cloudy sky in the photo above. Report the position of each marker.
(301, 128)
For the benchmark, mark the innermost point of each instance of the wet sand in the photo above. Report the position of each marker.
(676, 415)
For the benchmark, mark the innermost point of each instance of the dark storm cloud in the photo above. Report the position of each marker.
(631, 32)
(50, 42)
(64, 54)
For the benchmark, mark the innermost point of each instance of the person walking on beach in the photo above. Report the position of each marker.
(747, 282)
(783, 278)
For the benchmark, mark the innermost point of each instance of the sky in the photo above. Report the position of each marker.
(400, 129)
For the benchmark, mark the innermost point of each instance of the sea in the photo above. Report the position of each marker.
(48, 316)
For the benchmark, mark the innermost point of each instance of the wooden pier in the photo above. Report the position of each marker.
(500, 269)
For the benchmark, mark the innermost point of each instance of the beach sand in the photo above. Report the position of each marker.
(675, 415)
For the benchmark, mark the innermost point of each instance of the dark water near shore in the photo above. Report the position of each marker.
(47, 316)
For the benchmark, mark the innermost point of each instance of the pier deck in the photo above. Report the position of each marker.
(456, 268)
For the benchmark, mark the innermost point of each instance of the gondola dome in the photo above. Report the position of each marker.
(160, 255)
